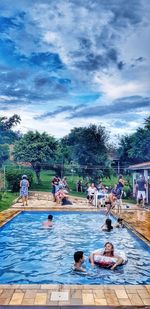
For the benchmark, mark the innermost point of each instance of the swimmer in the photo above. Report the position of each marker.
(79, 260)
(119, 223)
(107, 226)
(48, 223)
(111, 259)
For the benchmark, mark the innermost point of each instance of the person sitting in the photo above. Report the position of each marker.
(60, 195)
(79, 260)
(91, 191)
(48, 223)
(107, 225)
(119, 223)
(65, 184)
(106, 257)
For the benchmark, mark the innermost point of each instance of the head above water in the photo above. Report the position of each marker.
(78, 256)
(119, 220)
(50, 217)
(24, 177)
(109, 248)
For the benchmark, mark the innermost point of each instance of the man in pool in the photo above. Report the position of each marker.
(48, 223)
(79, 260)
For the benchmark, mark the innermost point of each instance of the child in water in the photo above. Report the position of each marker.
(119, 223)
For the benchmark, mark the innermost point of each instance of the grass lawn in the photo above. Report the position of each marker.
(46, 178)
(7, 199)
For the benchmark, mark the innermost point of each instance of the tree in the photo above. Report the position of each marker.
(88, 148)
(37, 149)
(135, 148)
(7, 135)
(4, 153)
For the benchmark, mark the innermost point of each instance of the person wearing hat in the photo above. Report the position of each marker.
(24, 185)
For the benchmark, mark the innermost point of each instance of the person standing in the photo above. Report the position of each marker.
(141, 190)
(55, 183)
(24, 185)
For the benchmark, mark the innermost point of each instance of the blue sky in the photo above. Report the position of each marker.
(70, 63)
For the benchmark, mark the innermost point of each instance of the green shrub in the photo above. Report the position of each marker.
(1, 196)
(14, 175)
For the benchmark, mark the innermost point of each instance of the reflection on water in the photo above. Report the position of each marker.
(31, 254)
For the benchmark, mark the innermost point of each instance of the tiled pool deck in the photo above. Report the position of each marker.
(78, 295)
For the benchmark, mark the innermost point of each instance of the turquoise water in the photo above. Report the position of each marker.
(31, 254)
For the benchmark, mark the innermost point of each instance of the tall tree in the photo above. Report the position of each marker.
(135, 148)
(88, 147)
(37, 149)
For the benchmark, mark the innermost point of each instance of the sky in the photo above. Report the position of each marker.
(70, 63)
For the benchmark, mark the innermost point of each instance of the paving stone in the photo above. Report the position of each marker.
(28, 301)
(146, 301)
(88, 299)
(143, 294)
(100, 301)
(131, 290)
(16, 299)
(1, 290)
(76, 302)
(76, 294)
(135, 299)
(121, 294)
(6, 293)
(5, 301)
(124, 302)
(40, 299)
(30, 293)
(98, 294)
(111, 299)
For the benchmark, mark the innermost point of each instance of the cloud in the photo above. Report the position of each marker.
(59, 110)
(57, 55)
(122, 105)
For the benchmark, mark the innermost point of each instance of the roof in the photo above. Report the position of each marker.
(140, 166)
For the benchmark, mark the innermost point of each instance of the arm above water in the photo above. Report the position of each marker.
(118, 262)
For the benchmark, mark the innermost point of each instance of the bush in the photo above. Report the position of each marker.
(13, 177)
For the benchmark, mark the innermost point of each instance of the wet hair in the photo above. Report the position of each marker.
(78, 255)
(108, 224)
(109, 243)
(50, 217)
(119, 220)
(24, 177)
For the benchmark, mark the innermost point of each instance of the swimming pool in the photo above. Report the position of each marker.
(31, 254)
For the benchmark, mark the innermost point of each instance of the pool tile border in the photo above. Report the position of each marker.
(84, 295)
(79, 295)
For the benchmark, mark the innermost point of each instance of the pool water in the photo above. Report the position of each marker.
(32, 254)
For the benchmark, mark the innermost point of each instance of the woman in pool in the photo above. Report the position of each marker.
(106, 257)
(107, 225)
